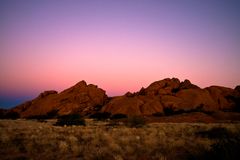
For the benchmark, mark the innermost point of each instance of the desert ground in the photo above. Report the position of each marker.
(33, 139)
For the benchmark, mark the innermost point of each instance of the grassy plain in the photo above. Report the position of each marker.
(30, 139)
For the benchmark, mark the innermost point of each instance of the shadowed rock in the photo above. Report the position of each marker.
(224, 97)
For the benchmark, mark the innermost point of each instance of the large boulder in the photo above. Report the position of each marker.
(189, 100)
(196, 99)
(137, 105)
(224, 97)
(124, 105)
(172, 102)
(81, 98)
(162, 87)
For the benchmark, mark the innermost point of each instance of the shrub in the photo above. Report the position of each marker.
(2, 113)
(168, 111)
(215, 133)
(224, 149)
(101, 115)
(12, 115)
(136, 121)
(38, 117)
(72, 119)
(49, 115)
(118, 116)
(52, 114)
(157, 114)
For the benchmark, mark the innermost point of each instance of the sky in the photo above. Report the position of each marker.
(119, 45)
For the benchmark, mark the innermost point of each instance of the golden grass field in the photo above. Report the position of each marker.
(30, 139)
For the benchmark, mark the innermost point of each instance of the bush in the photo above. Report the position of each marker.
(168, 111)
(223, 149)
(72, 119)
(52, 114)
(101, 115)
(12, 115)
(136, 121)
(118, 116)
(157, 114)
(215, 133)
(49, 115)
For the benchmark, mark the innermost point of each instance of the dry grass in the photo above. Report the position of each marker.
(25, 139)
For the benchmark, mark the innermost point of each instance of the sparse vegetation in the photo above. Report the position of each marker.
(71, 119)
(158, 114)
(215, 133)
(119, 116)
(226, 145)
(168, 111)
(135, 121)
(27, 139)
(49, 115)
(11, 115)
(101, 116)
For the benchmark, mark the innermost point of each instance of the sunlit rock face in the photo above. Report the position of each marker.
(171, 94)
(167, 95)
(81, 98)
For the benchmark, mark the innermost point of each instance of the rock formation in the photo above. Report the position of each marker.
(81, 98)
(167, 96)
(175, 96)
(136, 105)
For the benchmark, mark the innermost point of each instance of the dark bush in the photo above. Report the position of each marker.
(49, 115)
(215, 133)
(168, 111)
(101, 115)
(226, 146)
(136, 121)
(38, 117)
(12, 115)
(72, 119)
(2, 113)
(222, 149)
(52, 114)
(157, 114)
(225, 149)
(118, 116)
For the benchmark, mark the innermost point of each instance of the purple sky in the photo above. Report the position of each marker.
(118, 45)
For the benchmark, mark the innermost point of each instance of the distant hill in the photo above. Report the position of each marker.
(163, 98)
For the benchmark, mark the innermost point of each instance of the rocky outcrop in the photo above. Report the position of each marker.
(159, 98)
(193, 99)
(225, 98)
(175, 96)
(163, 87)
(81, 98)
(186, 84)
(137, 105)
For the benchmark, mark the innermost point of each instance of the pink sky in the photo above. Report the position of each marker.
(120, 46)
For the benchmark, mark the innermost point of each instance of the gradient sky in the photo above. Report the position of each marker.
(118, 45)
